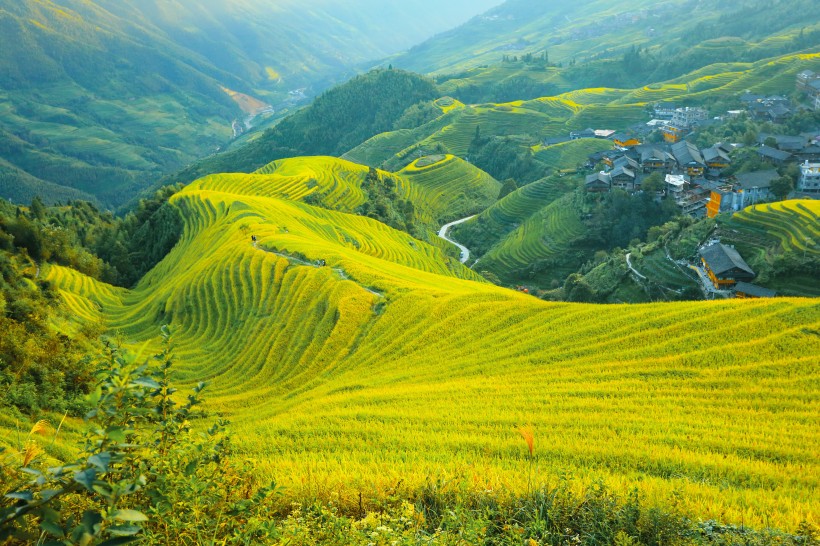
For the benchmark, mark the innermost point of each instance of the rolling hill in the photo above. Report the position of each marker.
(531, 121)
(773, 236)
(390, 364)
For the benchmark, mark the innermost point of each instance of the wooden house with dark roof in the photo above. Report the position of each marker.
(654, 158)
(725, 266)
(779, 113)
(786, 143)
(745, 290)
(814, 88)
(599, 182)
(609, 157)
(623, 177)
(716, 158)
(626, 161)
(749, 98)
(756, 186)
(586, 133)
(774, 155)
(689, 158)
(809, 153)
(805, 78)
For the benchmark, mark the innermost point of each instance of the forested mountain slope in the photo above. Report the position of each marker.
(103, 96)
(335, 122)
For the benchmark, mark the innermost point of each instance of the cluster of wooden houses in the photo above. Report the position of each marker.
(694, 176)
(689, 173)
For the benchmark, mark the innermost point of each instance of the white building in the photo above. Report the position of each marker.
(676, 186)
(809, 178)
(687, 117)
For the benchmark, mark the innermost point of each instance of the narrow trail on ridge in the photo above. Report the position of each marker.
(338, 270)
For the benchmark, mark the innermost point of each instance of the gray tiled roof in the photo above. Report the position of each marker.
(773, 153)
(714, 152)
(686, 153)
(754, 290)
(759, 179)
(722, 258)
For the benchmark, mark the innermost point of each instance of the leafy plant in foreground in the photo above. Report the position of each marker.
(144, 472)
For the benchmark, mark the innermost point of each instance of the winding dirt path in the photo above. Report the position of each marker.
(632, 269)
(465, 252)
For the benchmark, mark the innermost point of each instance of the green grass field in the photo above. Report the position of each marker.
(569, 155)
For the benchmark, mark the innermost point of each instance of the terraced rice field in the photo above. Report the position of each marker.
(659, 269)
(377, 150)
(795, 224)
(570, 154)
(599, 108)
(544, 235)
(456, 187)
(386, 367)
(450, 186)
(608, 117)
(513, 210)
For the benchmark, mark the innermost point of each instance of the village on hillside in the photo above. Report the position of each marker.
(660, 157)
(694, 176)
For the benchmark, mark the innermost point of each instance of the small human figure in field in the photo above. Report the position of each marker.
(253, 240)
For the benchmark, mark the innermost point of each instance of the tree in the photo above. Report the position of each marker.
(38, 208)
(507, 188)
(749, 137)
(577, 289)
(781, 187)
(653, 183)
(141, 458)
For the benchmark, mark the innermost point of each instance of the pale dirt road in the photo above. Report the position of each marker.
(465, 252)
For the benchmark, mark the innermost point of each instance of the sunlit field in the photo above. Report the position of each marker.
(391, 366)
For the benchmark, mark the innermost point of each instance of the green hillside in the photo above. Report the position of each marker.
(529, 122)
(453, 185)
(777, 240)
(495, 223)
(570, 155)
(337, 121)
(551, 237)
(106, 96)
(385, 365)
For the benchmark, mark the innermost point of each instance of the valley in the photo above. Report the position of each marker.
(545, 274)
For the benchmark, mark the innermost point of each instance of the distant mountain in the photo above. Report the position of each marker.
(104, 96)
(583, 30)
